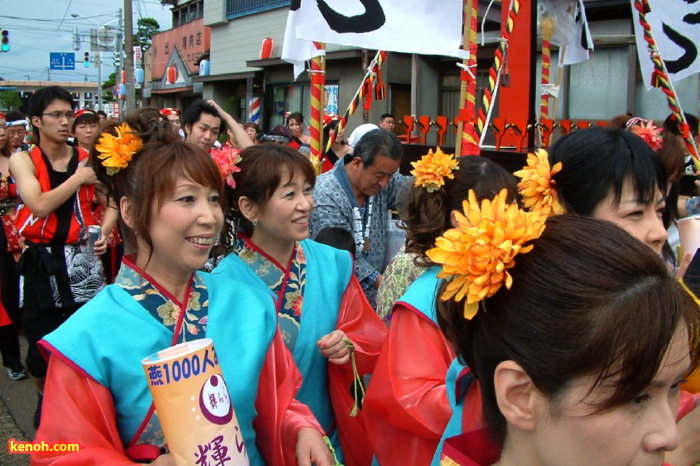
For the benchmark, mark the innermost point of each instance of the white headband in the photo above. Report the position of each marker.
(17, 123)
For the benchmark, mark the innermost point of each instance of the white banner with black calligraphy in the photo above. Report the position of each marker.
(675, 25)
(429, 27)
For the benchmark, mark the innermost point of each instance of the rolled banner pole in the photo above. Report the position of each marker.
(193, 404)
(546, 61)
(317, 73)
(660, 79)
(496, 69)
(468, 140)
(360, 93)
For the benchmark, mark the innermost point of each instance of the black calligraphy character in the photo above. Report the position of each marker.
(585, 45)
(692, 18)
(199, 38)
(191, 40)
(184, 42)
(690, 53)
(372, 19)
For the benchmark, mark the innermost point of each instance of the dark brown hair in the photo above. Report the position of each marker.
(598, 161)
(262, 167)
(588, 300)
(428, 215)
(152, 172)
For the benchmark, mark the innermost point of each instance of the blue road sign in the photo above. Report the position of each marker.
(62, 61)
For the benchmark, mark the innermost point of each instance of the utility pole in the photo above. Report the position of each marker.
(98, 62)
(129, 61)
(118, 47)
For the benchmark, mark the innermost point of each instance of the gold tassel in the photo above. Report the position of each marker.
(356, 380)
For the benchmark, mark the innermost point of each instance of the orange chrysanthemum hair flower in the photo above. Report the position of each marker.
(116, 151)
(432, 169)
(476, 255)
(536, 185)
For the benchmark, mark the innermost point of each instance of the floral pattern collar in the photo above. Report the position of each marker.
(164, 307)
(287, 283)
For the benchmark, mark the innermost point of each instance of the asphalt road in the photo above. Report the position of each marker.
(17, 404)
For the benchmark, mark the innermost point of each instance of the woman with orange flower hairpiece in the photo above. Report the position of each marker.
(608, 174)
(407, 401)
(577, 347)
(169, 194)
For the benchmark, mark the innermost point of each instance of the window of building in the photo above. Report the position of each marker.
(238, 8)
(188, 12)
(290, 98)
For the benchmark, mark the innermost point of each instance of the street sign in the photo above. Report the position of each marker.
(62, 61)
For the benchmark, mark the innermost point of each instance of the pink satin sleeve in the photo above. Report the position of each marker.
(406, 403)
(362, 326)
(365, 329)
(77, 409)
(280, 416)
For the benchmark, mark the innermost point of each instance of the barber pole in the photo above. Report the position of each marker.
(254, 110)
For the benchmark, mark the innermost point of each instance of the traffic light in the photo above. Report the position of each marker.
(5, 40)
(117, 59)
(86, 60)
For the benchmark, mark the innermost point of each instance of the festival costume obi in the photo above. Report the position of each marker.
(105, 341)
(315, 294)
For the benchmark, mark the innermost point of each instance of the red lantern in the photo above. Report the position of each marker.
(266, 49)
(123, 81)
(172, 74)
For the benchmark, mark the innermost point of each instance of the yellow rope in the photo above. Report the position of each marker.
(330, 446)
(357, 384)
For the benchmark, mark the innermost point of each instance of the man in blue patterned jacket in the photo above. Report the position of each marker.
(357, 196)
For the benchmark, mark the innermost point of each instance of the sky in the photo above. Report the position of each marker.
(39, 27)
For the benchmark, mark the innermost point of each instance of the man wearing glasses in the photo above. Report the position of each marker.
(57, 191)
(16, 128)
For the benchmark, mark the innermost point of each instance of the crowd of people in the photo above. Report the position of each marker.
(537, 317)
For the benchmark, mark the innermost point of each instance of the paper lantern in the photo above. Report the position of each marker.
(140, 75)
(172, 74)
(204, 68)
(266, 49)
(123, 77)
(122, 91)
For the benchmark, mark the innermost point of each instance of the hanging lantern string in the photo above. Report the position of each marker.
(661, 79)
(370, 77)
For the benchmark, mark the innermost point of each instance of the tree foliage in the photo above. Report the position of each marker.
(146, 28)
(107, 87)
(10, 100)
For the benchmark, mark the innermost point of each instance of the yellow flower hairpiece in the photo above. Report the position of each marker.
(116, 151)
(476, 255)
(432, 169)
(537, 187)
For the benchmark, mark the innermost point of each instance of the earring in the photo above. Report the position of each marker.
(254, 222)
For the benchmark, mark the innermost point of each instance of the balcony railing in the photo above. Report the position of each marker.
(238, 8)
